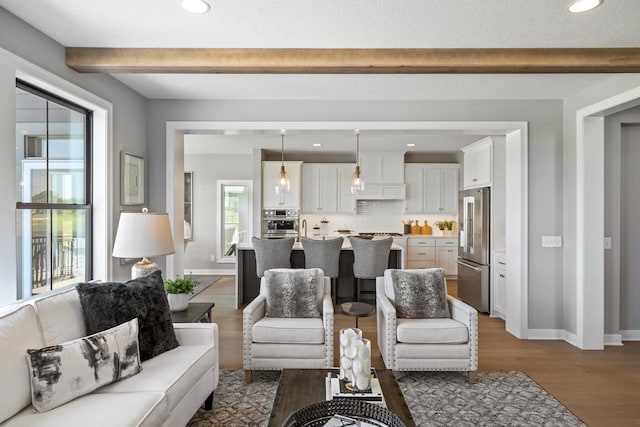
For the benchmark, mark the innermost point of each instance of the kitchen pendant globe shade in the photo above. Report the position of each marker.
(143, 235)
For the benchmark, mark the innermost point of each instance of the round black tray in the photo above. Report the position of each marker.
(318, 414)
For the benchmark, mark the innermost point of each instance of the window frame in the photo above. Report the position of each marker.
(88, 179)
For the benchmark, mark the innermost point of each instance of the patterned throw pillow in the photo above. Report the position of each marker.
(61, 373)
(293, 293)
(105, 305)
(420, 294)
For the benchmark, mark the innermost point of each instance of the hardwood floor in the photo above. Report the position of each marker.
(601, 387)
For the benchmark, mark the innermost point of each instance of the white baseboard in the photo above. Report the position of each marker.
(630, 335)
(613, 339)
(552, 334)
(209, 272)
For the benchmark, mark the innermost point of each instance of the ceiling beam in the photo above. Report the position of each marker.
(352, 61)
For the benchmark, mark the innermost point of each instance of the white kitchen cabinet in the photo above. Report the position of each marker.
(433, 252)
(421, 252)
(382, 168)
(270, 178)
(446, 255)
(319, 188)
(431, 188)
(477, 164)
(499, 285)
(326, 188)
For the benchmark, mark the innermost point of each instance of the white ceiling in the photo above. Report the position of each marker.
(340, 24)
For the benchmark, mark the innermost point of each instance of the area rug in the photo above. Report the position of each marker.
(434, 398)
(202, 283)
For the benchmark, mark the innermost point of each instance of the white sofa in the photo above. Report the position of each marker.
(167, 392)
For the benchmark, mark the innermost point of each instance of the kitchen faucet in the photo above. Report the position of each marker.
(304, 225)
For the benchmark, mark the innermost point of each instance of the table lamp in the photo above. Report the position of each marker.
(143, 235)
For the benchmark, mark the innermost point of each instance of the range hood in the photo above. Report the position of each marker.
(383, 192)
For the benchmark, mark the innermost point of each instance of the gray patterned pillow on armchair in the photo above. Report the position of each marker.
(420, 294)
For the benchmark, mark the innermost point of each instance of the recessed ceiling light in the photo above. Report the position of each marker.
(317, 145)
(578, 6)
(411, 145)
(195, 6)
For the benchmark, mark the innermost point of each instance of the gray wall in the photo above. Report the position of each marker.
(545, 161)
(207, 170)
(129, 116)
(630, 229)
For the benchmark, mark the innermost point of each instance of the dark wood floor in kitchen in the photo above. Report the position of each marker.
(601, 387)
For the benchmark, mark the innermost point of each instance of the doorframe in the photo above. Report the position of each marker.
(589, 266)
(517, 195)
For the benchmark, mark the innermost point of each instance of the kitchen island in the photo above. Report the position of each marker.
(248, 283)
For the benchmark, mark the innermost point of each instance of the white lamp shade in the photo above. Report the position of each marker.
(142, 235)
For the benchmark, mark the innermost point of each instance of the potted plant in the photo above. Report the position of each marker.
(178, 291)
(446, 227)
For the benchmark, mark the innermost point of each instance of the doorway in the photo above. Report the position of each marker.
(234, 217)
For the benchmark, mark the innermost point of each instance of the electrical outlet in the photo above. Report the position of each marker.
(607, 242)
(551, 241)
(213, 258)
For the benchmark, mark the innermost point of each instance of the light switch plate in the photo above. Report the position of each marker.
(551, 241)
(607, 242)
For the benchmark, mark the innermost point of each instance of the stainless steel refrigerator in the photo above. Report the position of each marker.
(473, 252)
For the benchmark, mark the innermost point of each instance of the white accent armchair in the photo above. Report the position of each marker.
(426, 344)
(274, 343)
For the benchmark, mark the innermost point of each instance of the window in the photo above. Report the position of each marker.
(234, 217)
(53, 218)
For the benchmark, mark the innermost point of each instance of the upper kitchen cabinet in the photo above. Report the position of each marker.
(270, 178)
(326, 188)
(382, 168)
(432, 188)
(477, 164)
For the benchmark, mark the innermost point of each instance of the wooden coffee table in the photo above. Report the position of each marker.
(301, 387)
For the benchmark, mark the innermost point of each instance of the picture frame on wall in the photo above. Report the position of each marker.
(132, 179)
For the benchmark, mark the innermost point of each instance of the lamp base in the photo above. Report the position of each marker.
(144, 267)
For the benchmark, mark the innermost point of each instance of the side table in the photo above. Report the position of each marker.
(196, 312)
(357, 310)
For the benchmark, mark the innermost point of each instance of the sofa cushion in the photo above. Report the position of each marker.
(105, 305)
(431, 331)
(148, 409)
(279, 330)
(294, 292)
(66, 371)
(173, 372)
(61, 317)
(420, 294)
(19, 330)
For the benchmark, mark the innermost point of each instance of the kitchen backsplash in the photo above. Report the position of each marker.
(374, 216)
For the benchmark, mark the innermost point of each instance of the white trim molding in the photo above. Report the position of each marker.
(630, 335)
(613, 339)
(553, 334)
(589, 267)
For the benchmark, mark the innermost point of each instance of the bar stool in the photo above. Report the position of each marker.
(325, 255)
(272, 253)
(370, 259)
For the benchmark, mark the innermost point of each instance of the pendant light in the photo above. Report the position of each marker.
(357, 185)
(284, 185)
